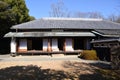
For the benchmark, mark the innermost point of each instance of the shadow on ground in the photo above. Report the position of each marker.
(93, 71)
(32, 72)
(77, 71)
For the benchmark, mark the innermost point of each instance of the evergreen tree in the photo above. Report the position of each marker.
(12, 12)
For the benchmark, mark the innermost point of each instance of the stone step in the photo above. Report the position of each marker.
(57, 55)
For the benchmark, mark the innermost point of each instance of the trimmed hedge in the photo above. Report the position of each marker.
(89, 55)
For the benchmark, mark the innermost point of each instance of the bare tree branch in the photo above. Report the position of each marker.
(59, 10)
(114, 18)
(89, 15)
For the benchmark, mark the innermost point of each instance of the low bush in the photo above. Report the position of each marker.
(89, 55)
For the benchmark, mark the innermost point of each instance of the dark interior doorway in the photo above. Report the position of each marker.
(78, 43)
(60, 43)
(4, 47)
(37, 44)
(103, 53)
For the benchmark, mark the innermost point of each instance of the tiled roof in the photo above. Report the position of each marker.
(67, 23)
(108, 32)
(105, 40)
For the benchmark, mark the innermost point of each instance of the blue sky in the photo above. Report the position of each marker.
(41, 8)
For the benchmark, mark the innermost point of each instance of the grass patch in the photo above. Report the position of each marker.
(89, 55)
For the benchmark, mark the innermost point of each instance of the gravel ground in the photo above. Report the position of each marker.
(4, 56)
(39, 58)
(7, 58)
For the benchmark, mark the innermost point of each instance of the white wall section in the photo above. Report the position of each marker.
(13, 45)
(45, 44)
(69, 45)
(55, 45)
(23, 44)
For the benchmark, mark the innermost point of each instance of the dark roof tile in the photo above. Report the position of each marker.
(67, 23)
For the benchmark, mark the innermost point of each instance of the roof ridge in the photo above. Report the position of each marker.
(63, 18)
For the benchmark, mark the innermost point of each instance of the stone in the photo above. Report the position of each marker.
(115, 57)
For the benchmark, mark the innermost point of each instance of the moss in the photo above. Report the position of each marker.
(89, 55)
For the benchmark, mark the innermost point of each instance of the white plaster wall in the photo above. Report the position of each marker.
(45, 44)
(23, 44)
(13, 45)
(55, 45)
(69, 44)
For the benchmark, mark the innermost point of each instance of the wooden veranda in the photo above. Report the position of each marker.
(39, 52)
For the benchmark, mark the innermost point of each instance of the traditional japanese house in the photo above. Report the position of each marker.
(51, 35)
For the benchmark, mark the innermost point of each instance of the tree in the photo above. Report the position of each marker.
(114, 18)
(19, 9)
(6, 18)
(89, 15)
(95, 15)
(59, 10)
(12, 12)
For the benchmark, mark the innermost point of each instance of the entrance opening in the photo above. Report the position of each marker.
(60, 43)
(78, 43)
(37, 44)
(34, 44)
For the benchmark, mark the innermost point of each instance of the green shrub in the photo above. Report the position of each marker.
(89, 55)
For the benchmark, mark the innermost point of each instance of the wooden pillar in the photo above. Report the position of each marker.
(13, 45)
(49, 49)
(72, 43)
(64, 45)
